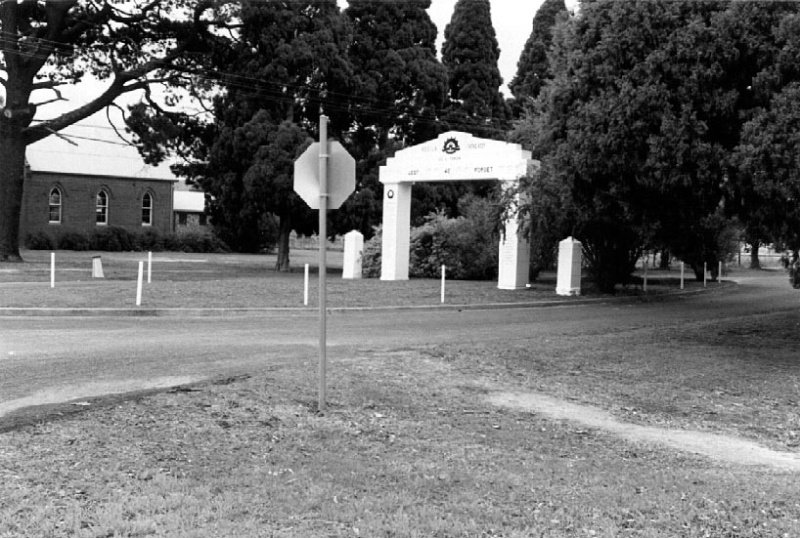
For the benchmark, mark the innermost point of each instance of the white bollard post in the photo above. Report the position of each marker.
(681, 275)
(305, 288)
(52, 269)
(149, 265)
(443, 276)
(705, 274)
(139, 284)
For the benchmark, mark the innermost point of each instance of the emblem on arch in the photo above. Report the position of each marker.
(451, 146)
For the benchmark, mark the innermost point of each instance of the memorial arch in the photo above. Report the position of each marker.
(453, 156)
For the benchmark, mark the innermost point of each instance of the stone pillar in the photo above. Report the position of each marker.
(353, 250)
(396, 231)
(514, 259)
(569, 267)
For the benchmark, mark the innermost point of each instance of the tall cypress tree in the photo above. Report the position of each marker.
(533, 68)
(290, 64)
(399, 89)
(470, 54)
(399, 85)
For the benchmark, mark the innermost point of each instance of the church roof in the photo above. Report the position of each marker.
(93, 150)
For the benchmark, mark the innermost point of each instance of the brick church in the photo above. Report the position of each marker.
(89, 178)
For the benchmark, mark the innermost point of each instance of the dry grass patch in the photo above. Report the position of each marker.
(739, 376)
(409, 447)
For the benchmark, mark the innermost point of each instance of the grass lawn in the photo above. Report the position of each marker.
(411, 446)
(181, 280)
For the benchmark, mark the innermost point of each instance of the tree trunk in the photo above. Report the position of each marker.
(284, 231)
(12, 180)
(699, 272)
(664, 260)
(755, 263)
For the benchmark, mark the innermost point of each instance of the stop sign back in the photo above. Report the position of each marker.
(341, 175)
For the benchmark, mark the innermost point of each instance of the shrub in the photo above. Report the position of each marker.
(371, 255)
(199, 242)
(39, 241)
(111, 239)
(544, 255)
(468, 247)
(73, 241)
(114, 239)
(149, 240)
(171, 242)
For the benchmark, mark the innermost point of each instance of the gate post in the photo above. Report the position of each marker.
(396, 231)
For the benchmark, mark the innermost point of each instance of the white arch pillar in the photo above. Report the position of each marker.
(396, 231)
(515, 253)
(453, 156)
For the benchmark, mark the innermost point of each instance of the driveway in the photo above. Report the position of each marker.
(50, 360)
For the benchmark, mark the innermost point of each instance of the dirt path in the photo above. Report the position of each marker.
(69, 393)
(723, 448)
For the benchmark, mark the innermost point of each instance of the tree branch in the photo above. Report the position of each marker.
(117, 15)
(56, 16)
(113, 126)
(124, 82)
(46, 85)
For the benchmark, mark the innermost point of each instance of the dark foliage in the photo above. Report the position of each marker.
(470, 54)
(637, 128)
(533, 67)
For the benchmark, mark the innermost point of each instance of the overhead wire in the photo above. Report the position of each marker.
(275, 91)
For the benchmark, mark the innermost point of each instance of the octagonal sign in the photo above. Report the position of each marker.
(341, 175)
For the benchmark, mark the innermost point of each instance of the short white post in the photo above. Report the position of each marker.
(305, 288)
(705, 274)
(443, 276)
(352, 263)
(139, 284)
(52, 269)
(149, 265)
(97, 267)
(681, 275)
(719, 274)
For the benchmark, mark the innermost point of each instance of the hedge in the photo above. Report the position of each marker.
(115, 239)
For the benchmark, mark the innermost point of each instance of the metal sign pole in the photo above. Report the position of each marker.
(311, 182)
(323, 246)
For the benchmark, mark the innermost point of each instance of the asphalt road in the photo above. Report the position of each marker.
(49, 360)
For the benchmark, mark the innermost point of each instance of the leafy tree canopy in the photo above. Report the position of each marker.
(47, 44)
(635, 123)
(400, 85)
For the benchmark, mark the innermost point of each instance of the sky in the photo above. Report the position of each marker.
(512, 21)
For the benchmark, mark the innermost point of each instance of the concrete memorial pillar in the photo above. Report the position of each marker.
(353, 251)
(515, 254)
(569, 267)
(396, 231)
